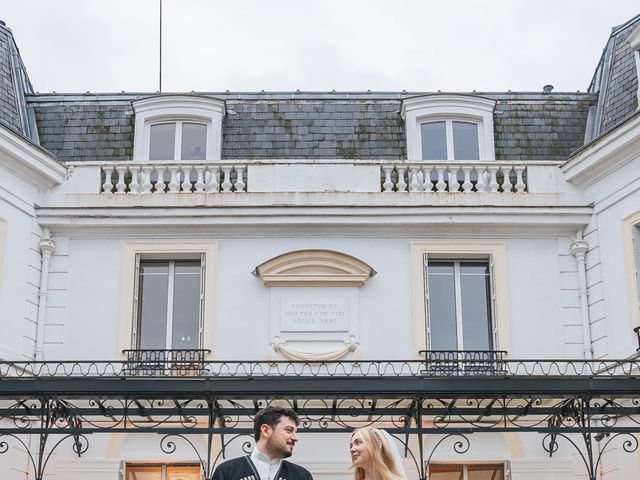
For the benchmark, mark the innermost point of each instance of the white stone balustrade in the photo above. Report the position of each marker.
(455, 177)
(158, 178)
(329, 176)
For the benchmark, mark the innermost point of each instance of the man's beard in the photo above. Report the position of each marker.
(275, 451)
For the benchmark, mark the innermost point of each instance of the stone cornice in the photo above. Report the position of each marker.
(29, 161)
(608, 153)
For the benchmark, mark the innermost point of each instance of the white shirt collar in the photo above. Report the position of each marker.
(267, 468)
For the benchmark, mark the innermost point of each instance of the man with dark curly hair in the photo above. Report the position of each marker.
(274, 429)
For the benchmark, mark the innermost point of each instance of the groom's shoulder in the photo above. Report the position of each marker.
(300, 472)
(232, 463)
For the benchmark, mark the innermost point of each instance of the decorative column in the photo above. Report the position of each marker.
(579, 250)
(47, 247)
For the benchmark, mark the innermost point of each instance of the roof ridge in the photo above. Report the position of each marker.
(615, 30)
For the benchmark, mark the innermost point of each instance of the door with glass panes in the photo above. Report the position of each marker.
(169, 298)
(459, 301)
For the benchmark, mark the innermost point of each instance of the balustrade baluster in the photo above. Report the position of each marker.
(401, 184)
(134, 186)
(160, 183)
(387, 185)
(467, 186)
(199, 187)
(239, 178)
(145, 185)
(226, 183)
(212, 181)
(481, 184)
(107, 186)
(493, 183)
(174, 183)
(520, 185)
(415, 185)
(186, 179)
(427, 183)
(121, 185)
(454, 184)
(506, 183)
(441, 185)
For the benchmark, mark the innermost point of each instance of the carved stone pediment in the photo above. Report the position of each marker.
(314, 268)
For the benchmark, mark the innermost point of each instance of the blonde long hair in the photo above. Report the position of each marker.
(383, 466)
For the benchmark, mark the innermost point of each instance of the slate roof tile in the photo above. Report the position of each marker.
(541, 127)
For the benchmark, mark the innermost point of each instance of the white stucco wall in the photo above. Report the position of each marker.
(88, 274)
(19, 267)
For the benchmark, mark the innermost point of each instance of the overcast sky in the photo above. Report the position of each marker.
(346, 45)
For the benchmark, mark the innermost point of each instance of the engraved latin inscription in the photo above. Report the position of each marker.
(314, 314)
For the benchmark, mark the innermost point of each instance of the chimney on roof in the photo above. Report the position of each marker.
(547, 88)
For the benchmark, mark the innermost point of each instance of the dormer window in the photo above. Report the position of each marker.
(178, 141)
(449, 127)
(178, 127)
(449, 140)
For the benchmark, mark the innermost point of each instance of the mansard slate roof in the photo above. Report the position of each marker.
(14, 84)
(537, 126)
(616, 80)
(366, 125)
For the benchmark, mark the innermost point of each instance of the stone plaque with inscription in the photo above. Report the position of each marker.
(314, 314)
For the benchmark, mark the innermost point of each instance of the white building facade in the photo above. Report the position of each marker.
(437, 264)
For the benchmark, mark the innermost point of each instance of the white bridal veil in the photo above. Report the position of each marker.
(392, 445)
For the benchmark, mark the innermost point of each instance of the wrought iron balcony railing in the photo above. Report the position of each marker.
(178, 362)
(139, 366)
(464, 362)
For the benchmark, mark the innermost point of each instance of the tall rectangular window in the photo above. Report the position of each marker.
(169, 297)
(636, 254)
(466, 472)
(459, 305)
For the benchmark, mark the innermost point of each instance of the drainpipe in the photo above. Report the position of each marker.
(579, 250)
(47, 247)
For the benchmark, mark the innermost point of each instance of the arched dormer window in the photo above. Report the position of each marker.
(178, 127)
(449, 127)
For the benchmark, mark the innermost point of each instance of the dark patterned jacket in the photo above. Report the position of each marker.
(242, 468)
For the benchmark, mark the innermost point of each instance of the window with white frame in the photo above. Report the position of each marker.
(467, 471)
(449, 139)
(635, 232)
(167, 313)
(168, 303)
(162, 472)
(459, 304)
(460, 295)
(178, 141)
(449, 127)
(178, 127)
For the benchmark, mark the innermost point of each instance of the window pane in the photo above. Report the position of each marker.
(152, 313)
(445, 472)
(475, 291)
(162, 141)
(194, 141)
(183, 472)
(486, 472)
(144, 473)
(434, 141)
(465, 141)
(186, 305)
(442, 306)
